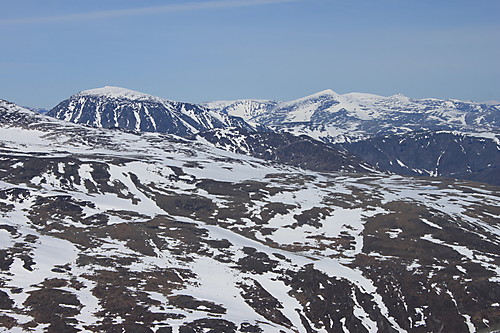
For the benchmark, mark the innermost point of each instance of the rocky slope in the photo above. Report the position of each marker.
(114, 107)
(104, 230)
(473, 156)
(282, 147)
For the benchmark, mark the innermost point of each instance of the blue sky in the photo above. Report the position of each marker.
(202, 50)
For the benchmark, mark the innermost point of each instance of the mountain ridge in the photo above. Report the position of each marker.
(286, 148)
(473, 156)
(361, 115)
(350, 121)
(110, 107)
(321, 115)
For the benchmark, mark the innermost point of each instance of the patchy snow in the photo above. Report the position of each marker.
(47, 252)
(394, 233)
(361, 314)
(291, 306)
(431, 224)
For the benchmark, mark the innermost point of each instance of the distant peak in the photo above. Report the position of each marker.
(327, 92)
(118, 92)
(399, 96)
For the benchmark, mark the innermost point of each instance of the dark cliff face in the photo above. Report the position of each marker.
(437, 154)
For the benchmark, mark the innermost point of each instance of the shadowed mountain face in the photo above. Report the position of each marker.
(104, 230)
(113, 107)
(436, 154)
(285, 148)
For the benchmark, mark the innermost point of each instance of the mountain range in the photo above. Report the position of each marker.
(335, 118)
(124, 230)
(322, 132)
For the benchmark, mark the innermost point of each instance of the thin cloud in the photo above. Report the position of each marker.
(194, 6)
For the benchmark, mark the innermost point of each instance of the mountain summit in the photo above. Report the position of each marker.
(119, 93)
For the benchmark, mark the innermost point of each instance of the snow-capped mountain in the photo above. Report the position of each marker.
(104, 230)
(337, 118)
(396, 133)
(246, 108)
(244, 126)
(113, 107)
(110, 107)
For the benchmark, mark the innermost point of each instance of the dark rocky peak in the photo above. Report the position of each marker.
(114, 107)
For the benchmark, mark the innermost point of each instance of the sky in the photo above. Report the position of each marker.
(205, 50)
